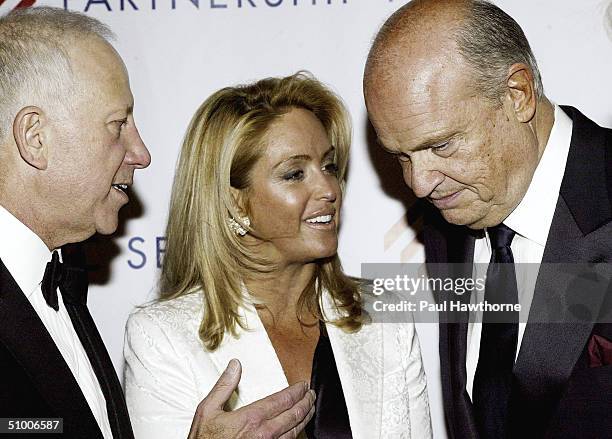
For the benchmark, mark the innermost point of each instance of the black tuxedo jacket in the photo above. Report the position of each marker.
(36, 381)
(555, 394)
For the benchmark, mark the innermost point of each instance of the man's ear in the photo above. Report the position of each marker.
(27, 131)
(521, 92)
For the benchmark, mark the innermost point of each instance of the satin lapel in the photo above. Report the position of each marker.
(461, 253)
(580, 233)
(85, 327)
(262, 373)
(105, 372)
(454, 245)
(587, 183)
(549, 351)
(360, 363)
(24, 334)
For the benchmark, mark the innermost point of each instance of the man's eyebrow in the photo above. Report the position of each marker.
(387, 150)
(129, 110)
(436, 140)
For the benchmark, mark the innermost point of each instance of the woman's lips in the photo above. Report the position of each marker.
(329, 224)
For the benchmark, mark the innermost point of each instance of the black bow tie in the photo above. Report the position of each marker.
(71, 281)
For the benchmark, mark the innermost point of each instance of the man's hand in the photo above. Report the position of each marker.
(282, 415)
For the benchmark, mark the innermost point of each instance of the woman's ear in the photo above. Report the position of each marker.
(27, 132)
(240, 200)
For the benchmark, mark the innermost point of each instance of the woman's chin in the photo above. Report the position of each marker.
(327, 253)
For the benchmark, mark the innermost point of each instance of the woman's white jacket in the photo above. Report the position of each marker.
(168, 371)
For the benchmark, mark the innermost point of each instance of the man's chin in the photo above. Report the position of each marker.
(107, 227)
(462, 217)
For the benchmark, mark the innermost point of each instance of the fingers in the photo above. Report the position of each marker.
(295, 431)
(224, 387)
(291, 422)
(279, 402)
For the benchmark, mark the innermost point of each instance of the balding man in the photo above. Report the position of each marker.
(453, 91)
(68, 151)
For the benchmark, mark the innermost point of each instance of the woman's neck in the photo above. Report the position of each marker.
(279, 291)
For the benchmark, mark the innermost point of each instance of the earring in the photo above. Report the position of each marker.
(236, 227)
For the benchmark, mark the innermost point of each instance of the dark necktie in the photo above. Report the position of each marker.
(72, 283)
(498, 341)
(330, 420)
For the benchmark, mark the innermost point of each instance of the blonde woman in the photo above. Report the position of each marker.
(251, 272)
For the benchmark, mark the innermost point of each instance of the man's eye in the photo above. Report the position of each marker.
(440, 147)
(294, 175)
(121, 123)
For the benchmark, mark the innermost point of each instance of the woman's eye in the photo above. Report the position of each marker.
(332, 168)
(294, 175)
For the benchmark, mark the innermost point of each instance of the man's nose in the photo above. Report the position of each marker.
(137, 153)
(422, 178)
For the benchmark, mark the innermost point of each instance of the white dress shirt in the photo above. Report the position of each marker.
(25, 256)
(531, 221)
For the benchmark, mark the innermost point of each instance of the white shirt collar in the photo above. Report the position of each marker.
(533, 216)
(23, 253)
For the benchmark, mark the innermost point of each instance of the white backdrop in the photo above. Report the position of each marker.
(180, 51)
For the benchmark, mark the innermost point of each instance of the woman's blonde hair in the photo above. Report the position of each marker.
(223, 142)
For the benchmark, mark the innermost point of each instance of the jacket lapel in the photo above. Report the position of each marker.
(449, 254)
(359, 358)
(556, 336)
(579, 233)
(75, 301)
(453, 337)
(262, 373)
(360, 363)
(24, 334)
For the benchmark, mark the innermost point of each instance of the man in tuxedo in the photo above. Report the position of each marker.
(68, 151)
(454, 92)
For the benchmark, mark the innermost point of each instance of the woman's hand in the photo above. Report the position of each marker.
(282, 415)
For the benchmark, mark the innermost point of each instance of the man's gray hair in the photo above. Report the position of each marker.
(491, 41)
(34, 62)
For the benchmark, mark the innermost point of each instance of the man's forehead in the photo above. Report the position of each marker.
(413, 80)
(95, 58)
(100, 73)
(407, 118)
(410, 95)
